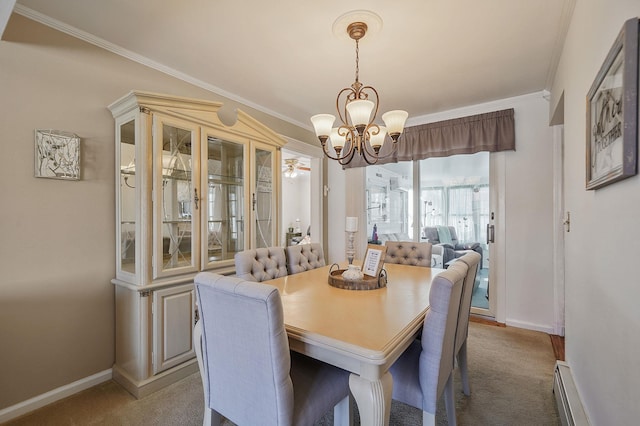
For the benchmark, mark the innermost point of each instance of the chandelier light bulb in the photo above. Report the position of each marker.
(337, 140)
(395, 122)
(322, 123)
(360, 112)
(377, 140)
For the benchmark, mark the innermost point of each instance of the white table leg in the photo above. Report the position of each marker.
(373, 398)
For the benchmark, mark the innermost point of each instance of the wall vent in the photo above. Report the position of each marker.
(568, 401)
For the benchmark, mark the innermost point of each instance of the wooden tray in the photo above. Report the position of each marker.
(366, 283)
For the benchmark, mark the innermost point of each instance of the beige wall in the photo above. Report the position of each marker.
(58, 251)
(602, 291)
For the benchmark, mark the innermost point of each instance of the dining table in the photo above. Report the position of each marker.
(361, 331)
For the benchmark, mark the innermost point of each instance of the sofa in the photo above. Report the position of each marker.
(452, 247)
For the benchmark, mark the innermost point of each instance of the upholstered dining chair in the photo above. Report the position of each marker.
(304, 257)
(472, 260)
(248, 373)
(261, 264)
(408, 253)
(424, 372)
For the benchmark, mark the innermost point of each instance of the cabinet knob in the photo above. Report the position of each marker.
(195, 198)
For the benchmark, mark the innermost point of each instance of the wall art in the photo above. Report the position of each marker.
(612, 113)
(57, 155)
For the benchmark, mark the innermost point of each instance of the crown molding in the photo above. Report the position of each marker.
(143, 60)
(561, 35)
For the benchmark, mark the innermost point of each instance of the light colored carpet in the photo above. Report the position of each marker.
(511, 374)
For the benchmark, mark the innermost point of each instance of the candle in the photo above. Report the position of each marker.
(352, 224)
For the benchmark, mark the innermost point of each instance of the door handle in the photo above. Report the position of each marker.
(490, 233)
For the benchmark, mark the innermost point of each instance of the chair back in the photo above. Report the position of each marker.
(261, 264)
(439, 332)
(408, 253)
(245, 350)
(304, 257)
(472, 260)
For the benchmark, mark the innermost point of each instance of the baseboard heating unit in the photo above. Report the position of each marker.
(568, 401)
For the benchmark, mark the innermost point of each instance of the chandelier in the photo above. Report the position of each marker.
(357, 108)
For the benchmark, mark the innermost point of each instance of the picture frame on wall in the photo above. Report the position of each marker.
(612, 113)
(57, 155)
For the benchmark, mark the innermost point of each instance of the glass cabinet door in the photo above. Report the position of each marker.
(225, 199)
(127, 198)
(263, 201)
(176, 197)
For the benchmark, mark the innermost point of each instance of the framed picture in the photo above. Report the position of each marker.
(57, 155)
(612, 113)
(374, 260)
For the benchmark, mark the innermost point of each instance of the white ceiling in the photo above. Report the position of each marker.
(283, 58)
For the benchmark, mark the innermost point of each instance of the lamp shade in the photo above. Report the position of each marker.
(337, 140)
(360, 111)
(322, 124)
(395, 121)
(377, 140)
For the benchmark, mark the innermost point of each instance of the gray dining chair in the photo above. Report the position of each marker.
(472, 260)
(261, 264)
(248, 374)
(408, 253)
(424, 372)
(304, 257)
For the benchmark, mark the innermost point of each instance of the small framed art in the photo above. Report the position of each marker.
(612, 113)
(57, 155)
(374, 260)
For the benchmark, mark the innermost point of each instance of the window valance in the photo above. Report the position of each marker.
(492, 131)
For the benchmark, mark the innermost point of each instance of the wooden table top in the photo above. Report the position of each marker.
(364, 324)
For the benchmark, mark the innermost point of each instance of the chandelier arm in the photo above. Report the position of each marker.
(376, 103)
(366, 142)
(381, 157)
(350, 154)
(366, 158)
(350, 96)
(337, 158)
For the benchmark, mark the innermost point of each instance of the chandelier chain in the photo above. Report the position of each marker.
(357, 60)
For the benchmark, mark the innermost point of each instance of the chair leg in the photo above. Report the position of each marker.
(464, 371)
(211, 417)
(342, 412)
(428, 419)
(449, 401)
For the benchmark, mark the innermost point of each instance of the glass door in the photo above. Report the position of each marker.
(225, 201)
(127, 200)
(263, 195)
(176, 196)
(454, 193)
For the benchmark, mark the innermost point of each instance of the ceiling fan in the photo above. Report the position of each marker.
(291, 167)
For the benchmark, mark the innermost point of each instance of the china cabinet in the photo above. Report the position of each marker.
(190, 193)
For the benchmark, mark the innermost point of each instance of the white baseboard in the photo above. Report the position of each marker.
(530, 326)
(54, 395)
